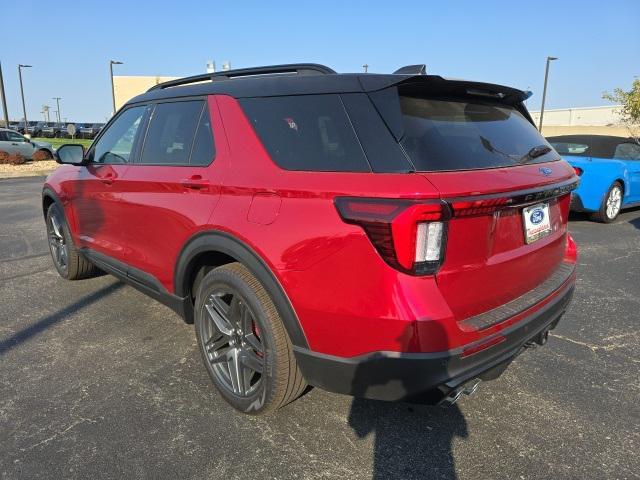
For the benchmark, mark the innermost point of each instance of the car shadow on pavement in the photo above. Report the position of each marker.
(46, 322)
(410, 441)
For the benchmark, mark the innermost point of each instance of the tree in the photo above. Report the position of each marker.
(630, 111)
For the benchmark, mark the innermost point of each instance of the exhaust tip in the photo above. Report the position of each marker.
(468, 388)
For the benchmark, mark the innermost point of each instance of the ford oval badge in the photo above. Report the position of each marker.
(537, 216)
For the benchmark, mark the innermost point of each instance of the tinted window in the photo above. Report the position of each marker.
(307, 132)
(3, 136)
(467, 134)
(171, 132)
(203, 147)
(627, 151)
(116, 144)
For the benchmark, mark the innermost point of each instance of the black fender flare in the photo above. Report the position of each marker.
(48, 192)
(222, 242)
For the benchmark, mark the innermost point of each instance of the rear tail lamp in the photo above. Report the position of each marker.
(408, 234)
(578, 171)
(468, 208)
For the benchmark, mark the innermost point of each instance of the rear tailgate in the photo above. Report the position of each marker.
(488, 261)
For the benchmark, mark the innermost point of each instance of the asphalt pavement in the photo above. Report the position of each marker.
(99, 381)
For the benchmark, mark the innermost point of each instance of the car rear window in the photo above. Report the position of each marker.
(307, 132)
(465, 134)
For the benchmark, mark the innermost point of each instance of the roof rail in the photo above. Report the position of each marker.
(297, 68)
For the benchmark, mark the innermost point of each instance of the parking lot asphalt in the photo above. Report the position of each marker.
(99, 381)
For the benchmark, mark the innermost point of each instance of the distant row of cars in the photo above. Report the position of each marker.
(57, 129)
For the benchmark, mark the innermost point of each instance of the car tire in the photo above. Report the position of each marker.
(243, 342)
(49, 155)
(68, 261)
(611, 204)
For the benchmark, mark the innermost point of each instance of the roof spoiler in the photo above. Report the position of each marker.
(292, 68)
(420, 69)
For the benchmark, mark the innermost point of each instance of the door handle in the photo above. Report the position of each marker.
(195, 182)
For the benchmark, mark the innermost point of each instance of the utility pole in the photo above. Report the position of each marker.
(24, 108)
(57, 99)
(544, 90)
(113, 91)
(366, 67)
(3, 98)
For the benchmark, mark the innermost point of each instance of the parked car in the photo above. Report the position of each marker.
(20, 127)
(609, 170)
(14, 142)
(398, 237)
(14, 126)
(52, 129)
(90, 130)
(35, 128)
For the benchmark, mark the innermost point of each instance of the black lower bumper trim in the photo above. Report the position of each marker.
(425, 377)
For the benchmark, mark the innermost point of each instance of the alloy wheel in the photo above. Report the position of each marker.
(614, 202)
(57, 244)
(232, 343)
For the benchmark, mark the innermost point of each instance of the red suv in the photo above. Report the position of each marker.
(392, 236)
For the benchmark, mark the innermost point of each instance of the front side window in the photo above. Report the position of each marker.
(15, 137)
(307, 132)
(467, 134)
(627, 151)
(116, 144)
(172, 129)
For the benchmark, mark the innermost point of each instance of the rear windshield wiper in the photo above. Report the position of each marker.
(535, 152)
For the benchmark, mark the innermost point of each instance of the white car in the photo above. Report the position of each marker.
(14, 142)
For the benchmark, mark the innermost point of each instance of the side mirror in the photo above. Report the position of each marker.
(70, 153)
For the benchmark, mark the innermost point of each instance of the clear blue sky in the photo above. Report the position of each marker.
(69, 44)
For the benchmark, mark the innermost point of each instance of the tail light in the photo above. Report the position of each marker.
(409, 235)
(578, 171)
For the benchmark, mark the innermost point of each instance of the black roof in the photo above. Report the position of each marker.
(315, 79)
(599, 146)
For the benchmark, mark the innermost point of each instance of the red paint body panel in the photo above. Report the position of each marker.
(348, 300)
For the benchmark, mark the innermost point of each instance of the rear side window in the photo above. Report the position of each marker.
(571, 148)
(307, 132)
(203, 149)
(171, 133)
(466, 134)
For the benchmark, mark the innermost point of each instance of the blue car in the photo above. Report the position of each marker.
(609, 170)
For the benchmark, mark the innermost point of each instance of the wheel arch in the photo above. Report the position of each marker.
(49, 197)
(213, 248)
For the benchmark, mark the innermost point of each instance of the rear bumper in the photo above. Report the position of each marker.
(427, 377)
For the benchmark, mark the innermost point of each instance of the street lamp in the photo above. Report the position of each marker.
(544, 91)
(113, 91)
(24, 108)
(57, 99)
(3, 99)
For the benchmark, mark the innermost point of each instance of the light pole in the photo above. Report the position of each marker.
(3, 99)
(113, 91)
(24, 108)
(365, 67)
(544, 90)
(57, 99)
